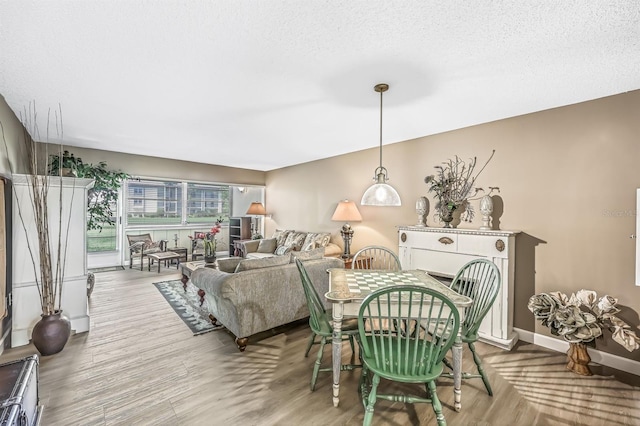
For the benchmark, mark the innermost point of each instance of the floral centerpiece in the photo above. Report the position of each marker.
(454, 187)
(580, 319)
(209, 241)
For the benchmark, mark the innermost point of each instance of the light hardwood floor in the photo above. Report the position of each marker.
(140, 365)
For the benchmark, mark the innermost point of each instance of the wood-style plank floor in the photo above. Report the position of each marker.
(140, 365)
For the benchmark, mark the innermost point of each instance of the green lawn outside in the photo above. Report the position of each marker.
(102, 241)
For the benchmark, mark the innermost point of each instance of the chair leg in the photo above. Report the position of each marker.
(478, 362)
(371, 401)
(435, 402)
(353, 349)
(312, 340)
(316, 367)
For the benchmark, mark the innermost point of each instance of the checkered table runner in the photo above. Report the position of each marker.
(368, 282)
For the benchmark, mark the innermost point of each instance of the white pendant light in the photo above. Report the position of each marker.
(381, 193)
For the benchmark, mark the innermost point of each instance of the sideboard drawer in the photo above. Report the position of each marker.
(487, 246)
(442, 241)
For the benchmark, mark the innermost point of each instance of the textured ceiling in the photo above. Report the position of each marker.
(267, 84)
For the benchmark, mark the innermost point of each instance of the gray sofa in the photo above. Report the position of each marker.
(262, 293)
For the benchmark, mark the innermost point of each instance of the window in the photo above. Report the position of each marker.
(154, 202)
(150, 202)
(206, 203)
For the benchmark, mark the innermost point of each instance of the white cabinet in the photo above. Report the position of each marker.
(26, 305)
(443, 252)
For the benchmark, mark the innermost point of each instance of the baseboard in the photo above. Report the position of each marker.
(599, 357)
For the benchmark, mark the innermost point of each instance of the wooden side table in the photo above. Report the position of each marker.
(181, 251)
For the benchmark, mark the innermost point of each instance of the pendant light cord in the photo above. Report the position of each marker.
(381, 92)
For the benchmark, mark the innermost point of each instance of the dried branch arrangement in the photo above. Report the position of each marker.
(48, 262)
(454, 186)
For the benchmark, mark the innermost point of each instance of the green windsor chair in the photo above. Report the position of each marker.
(413, 355)
(376, 257)
(320, 323)
(480, 280)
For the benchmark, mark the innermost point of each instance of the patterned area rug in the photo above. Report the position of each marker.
(187, 305)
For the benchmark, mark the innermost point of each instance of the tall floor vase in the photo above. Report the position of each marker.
(51, 333)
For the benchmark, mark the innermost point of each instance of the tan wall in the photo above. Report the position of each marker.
(568, 180)
(11, 141)
(154, 167)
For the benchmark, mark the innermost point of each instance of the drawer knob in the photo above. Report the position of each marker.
(403, 237)
(445, 240)
(500, 245)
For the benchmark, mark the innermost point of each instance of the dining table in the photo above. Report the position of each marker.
(349, 287)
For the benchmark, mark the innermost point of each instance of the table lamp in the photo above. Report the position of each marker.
(346, 211)
(256, 209)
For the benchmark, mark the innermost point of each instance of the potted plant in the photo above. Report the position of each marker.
(580, 319)
(454, 186)
(104, 193)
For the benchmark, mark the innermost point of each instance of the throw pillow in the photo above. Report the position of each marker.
(295, 239)
(248, 264)
(282, 250)
(267, 245)
(316, 239)
(281, 236)
(307, 255)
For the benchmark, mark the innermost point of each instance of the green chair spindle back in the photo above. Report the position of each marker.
(480, 280)
(321, 326)
(376, 257)
(405, 332)
(318, 319)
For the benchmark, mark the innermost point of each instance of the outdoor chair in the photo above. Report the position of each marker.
(480, 280)
(142, 245)
(413, 354)
(320, 323)
(376, 257)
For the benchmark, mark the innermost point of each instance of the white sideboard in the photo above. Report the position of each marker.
(443, 251)
(26, 306)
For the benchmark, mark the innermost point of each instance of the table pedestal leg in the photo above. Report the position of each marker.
(336, 345)
(456, 351)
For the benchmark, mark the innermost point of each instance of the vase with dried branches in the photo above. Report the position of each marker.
(454, 187)
(48, 255)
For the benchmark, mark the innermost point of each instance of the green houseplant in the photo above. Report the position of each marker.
(104, 193)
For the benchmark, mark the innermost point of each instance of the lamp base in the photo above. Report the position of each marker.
(347, 235)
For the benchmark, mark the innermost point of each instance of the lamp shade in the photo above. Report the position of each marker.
(256, 208)
(346, 211)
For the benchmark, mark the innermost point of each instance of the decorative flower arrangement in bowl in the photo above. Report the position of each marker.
(454, 188)
(210, 241)
(579, 319)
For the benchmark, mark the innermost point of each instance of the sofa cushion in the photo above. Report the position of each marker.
(332, 250)
(281, 236)
(248, 264)
(295, 239)
(315, 239)
(267, 245)
(282, 250)
(303, 256)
